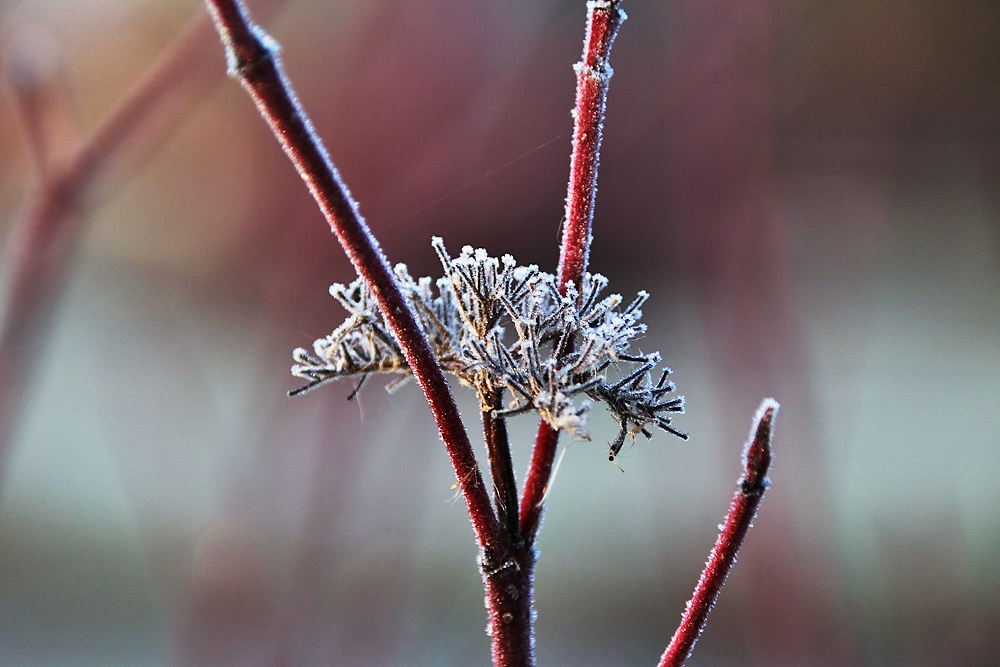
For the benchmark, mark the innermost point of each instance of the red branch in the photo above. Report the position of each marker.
(757, 459)
(536, 483)
(252, 56)
(593, 73)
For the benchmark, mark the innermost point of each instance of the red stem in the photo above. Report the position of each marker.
(593, 73)
(509, 595)
(252, 56)
(741, 514)
(508, 583)
(32, 80)
(502, 471)
(592, 77)
(535, 484)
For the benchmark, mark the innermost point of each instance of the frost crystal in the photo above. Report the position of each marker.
(502, 327)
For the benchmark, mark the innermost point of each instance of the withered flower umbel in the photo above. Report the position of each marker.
(500, 327)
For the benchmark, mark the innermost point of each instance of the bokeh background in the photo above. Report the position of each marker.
(808, 189)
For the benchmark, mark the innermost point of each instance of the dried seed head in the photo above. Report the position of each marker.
(499, 326)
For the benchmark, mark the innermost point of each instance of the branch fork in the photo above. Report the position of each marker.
(507, 533)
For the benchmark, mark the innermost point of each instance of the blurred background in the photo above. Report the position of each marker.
(808, 189)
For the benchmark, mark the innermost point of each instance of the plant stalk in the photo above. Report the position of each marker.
(252, 57)
(509, 594)
(501, 470)
(742, 511)
(593, 74)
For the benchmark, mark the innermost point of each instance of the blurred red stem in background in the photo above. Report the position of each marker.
(723, 556)
(37, 99)
(45, 235)
(593, 73)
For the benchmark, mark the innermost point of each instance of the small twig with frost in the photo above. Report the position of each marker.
(757, 459)
(593, 74)
(252, 57)
(501, 470)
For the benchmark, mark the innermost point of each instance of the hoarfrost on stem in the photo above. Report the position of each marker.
(500, 327)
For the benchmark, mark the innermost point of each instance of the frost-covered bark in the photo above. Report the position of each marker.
(252, 57)
(749, 493)
(593, 74)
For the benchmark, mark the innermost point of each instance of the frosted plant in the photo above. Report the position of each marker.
(550, 346)
(499, 327)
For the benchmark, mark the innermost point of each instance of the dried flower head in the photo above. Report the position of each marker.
(501, 327)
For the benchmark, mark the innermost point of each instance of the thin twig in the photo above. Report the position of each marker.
(252, 56)
(502, 471)
(508, 583)
(593, 73)
(757, 459)
(543, 455)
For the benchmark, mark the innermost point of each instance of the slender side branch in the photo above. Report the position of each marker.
(252, 56)
(757, 459)
(593, 74)
(502, 471)
(543, 456)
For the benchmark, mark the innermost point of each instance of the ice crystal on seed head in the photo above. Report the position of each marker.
(500, 327)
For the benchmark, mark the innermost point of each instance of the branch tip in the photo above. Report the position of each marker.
(757, 453)
(757, 459)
